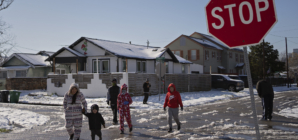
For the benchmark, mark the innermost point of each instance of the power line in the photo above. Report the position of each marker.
(27, 48)
(292, 41)
(286, 30)
(284, 36)
(277, 41)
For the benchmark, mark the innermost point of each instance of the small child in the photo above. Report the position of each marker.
(95, 121)
(123, 102)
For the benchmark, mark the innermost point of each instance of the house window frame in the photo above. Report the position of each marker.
(141, 66)
(25, 72)
(241, 58)
(195, 56)
(207, 55)
(124, 66)
(100, 64)
(183, 68)
(236, 57)
(180, 52)
(213, 54)
(230, 54)
(60, 70)
(3, 74)
(167, 67)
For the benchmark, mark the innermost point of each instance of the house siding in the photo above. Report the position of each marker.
(15, 62)
(92, 50)
(38, 72)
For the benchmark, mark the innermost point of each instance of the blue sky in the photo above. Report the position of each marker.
(49, 25)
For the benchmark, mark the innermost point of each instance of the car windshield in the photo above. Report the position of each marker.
(227, 77)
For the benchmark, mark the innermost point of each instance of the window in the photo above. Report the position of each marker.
(103, 66)
(20, 73)
(141, 66)
(3, 74)
(193, 54)
(206, 55)
(241, 58)
(218, 56)
(230, 54)
(167, 67)
(179, 53)
(213, 54)
(124, 66)
(236, 57)
(183, 68)
(60, 71)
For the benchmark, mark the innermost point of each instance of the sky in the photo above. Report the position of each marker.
(50, 25)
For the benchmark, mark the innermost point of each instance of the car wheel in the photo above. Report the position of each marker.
(232, 88)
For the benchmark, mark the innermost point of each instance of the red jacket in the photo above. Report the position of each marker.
(122, 98)
(173, 99)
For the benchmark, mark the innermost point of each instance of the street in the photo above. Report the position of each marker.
(226, 119)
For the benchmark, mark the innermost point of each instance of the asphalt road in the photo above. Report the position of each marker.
(228, 119)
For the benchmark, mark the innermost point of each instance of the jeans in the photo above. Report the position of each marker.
(267, 103)
(114, 109)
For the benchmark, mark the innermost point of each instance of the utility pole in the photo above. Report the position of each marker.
(263, 59)
(287, 63)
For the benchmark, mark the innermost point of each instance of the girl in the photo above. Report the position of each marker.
(123, 102)
(173, 100)
(73, 101)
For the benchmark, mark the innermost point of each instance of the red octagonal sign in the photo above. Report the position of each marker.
(239, 23)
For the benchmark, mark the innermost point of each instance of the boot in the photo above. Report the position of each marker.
(122, 132)
(170, 130)
(130, 129)
(71, 137)
(179, 126)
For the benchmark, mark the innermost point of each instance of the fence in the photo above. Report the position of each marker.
(96, 85)
(26, 83)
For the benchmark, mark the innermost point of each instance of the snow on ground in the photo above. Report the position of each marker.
(27, 119)
(188, 98)
(289, 112)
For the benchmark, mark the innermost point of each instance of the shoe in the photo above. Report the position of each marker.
(115, 123)
(263, 119)
(179, 126)
(170, 130)
(130, 129)
(71, 137)
(122, 132)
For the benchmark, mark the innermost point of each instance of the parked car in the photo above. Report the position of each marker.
(244, 79)
(225, 82)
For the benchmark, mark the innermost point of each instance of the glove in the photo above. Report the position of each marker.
(83, 110)
(126, 103)
(164, 109)
(108, 102)
(181, 108)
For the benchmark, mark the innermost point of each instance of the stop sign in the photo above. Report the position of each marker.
(238, 23)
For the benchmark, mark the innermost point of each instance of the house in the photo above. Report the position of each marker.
(89, 55)
(207, 51)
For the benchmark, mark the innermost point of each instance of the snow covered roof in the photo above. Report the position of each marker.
(46, 53)
(206, 43)
(15, 68)
(68, 49)
(127, 50)
(218, 42)
(182, 60)
(30, 59)
(239, 65)
(221, 67)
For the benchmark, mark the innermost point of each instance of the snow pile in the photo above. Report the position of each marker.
(24, 118)
(289, 112)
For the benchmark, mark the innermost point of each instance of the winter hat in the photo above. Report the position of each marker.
(147, 79)
(94, 106)
(73, 85)
(114, 80)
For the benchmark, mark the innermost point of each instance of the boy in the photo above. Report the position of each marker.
(123, 102)
(146, 87)
(95, 121)
(173, 100)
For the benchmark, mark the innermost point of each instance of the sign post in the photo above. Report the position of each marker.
(238, 23)
(160, 60)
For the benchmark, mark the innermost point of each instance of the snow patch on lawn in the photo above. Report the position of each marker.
(289, 112)
(26, 119)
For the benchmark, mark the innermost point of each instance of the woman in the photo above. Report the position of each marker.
(173, 100)
(73, 101)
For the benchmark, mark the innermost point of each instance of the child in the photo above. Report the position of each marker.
(95, 121)
(123, 102)
(173, 100)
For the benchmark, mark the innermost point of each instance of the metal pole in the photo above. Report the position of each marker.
(287, 63)
(252, 98)
(263, 58)
(159, 89)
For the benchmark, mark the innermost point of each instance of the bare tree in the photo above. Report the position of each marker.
(6, 39)
(282, 56)
(5, 4)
